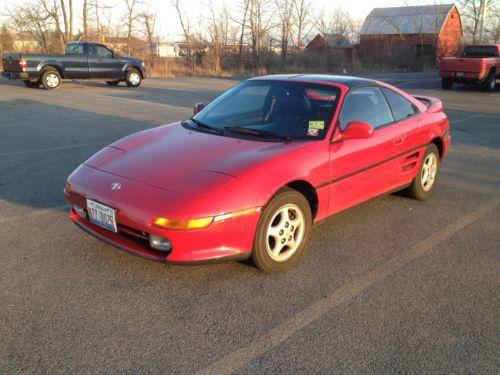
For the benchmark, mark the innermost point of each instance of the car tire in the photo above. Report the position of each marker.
(51, 79)
(283, 232)
(32, 84)
(112, 83)
(425, 181)
(490, 82)
(446, 83)
(133, 78)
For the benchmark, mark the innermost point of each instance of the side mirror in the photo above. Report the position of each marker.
(357, 130)
(198, 107)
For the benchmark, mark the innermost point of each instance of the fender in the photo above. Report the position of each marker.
(53, 63)
(129, 64)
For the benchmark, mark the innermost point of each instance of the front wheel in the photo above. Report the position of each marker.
(423, 184)
(51, 79)
(283, 232)
(446, 83)
(133, 78)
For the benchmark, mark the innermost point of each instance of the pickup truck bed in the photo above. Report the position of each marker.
(478, 64)
(82, 61)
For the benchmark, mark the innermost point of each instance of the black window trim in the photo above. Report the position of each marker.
(415, 108)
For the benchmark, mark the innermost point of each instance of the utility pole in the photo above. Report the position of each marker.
(484, 6)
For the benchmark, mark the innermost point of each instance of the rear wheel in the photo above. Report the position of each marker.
(112, 83)
(423, 184)
(51, 79)
(446, 83)
(490, 82)
(32, 84)
(133, 78)
(283, 231)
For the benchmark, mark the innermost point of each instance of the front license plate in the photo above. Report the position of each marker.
(102, 215)
(460, 74)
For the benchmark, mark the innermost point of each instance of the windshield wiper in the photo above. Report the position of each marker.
(257, 133)
(212, 129)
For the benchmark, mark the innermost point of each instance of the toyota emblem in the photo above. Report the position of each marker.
(115, 186)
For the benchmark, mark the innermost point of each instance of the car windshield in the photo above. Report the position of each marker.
(272, 110)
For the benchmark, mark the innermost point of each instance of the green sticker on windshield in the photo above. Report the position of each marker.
(316, 125)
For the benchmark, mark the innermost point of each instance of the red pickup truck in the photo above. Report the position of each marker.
(477, 64)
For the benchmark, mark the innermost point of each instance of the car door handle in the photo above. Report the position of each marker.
(399, 140)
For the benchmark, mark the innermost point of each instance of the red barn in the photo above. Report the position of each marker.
(425, 33)
(331, 42)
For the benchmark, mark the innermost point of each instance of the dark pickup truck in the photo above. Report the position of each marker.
(82, 61)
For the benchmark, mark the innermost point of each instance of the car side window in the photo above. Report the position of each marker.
(75, 49)
(104, 52)
(365, 104)
(401, 107)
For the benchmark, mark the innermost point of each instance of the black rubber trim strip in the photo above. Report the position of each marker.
(323, 184)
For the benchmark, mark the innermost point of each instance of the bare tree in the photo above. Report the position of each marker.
(302, 10)
(149, 22)
(471, 14)
(131, 17)
(85, 17)
(260, 19)
(285, 9)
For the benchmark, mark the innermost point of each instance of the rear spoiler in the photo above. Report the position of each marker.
(433, 104)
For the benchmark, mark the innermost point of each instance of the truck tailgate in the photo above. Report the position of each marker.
(461, 65)
(10, 63)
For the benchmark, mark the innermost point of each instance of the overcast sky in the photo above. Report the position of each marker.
(170, 28)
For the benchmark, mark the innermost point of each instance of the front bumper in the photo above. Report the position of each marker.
(228, 240)
(465, 77)
(137, 204)
(16, 75)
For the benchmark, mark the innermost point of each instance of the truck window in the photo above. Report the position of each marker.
(75, 49)
(104, 52)
(480, 51)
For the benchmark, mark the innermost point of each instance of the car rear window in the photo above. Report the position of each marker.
(480, 51)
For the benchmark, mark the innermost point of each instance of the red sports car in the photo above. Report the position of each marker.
(249, 174)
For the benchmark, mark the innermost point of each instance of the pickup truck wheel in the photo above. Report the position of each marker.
(112, 83)
(489, 83)
(133, 78)
(51, 79)
(446, 83)
(32, 84)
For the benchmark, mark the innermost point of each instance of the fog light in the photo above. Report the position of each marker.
(80, 211)
(159, 243)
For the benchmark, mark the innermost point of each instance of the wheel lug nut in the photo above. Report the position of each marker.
(281, 232)
(286, 225)
(282, 240)
(292, 227)
(290, 238)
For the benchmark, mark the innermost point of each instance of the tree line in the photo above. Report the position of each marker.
(251, 33)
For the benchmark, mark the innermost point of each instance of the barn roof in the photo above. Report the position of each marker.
(425, 19)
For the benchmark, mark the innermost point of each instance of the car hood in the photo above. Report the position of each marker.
(174, 158)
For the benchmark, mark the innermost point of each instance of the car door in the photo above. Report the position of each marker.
(76, 62)
(104, 65)
(364, 168)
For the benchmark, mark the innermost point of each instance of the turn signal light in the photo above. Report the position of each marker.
(200, 223)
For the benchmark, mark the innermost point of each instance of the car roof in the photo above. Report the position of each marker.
(348, 81)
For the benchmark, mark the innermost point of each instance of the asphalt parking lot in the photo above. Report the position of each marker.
(391, 286)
